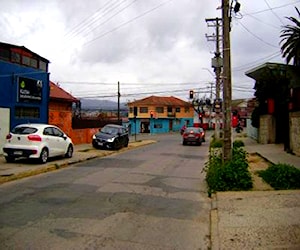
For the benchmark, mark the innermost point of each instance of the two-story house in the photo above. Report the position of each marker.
(157, 114)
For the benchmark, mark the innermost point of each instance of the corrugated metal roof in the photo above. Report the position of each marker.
(160, 100)
(8, 45)
(57, 92)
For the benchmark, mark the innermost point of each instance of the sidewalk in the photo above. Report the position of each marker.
(258, 219)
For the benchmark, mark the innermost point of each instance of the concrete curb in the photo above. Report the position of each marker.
(214, 224)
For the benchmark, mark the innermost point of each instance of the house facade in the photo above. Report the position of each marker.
(24, 82)
(278, 95)
(156, 114)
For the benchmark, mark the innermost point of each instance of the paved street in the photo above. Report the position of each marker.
(152, 197)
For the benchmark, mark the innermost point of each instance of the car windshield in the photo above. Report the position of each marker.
(109, 130)
(23, 130)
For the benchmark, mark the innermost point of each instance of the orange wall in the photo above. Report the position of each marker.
(181, 114)
(60, 115)
(81, 136)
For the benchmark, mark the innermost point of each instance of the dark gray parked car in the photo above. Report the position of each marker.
(111, 136)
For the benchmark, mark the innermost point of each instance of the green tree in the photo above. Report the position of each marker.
(290, 42)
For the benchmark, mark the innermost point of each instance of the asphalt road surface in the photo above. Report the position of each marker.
(153, 197)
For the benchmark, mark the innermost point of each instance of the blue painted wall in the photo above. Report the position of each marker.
(160, 126)
(9, 73)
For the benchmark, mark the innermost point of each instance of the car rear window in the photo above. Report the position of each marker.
(192, 129)
(23, 130)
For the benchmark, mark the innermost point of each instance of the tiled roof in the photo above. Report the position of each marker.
(160, 100)
(57, 92)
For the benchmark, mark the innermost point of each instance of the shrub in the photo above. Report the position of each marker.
(233, 175)
(238, 143)
(281, 176)
(216, 144)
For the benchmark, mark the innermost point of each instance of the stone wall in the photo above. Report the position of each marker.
(267, 129)
(295, 132)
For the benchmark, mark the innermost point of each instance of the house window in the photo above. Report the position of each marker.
(26, 60)
(159, 109)
(169, 109)
(33, 62)
(4, 54)
(177, 109)
(158, 125)
(27, 112)
(144, 110)
(43, 65)
(15, 57)
(186, 109)
(131, 110)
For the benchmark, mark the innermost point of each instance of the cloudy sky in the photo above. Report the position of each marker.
(152, 47)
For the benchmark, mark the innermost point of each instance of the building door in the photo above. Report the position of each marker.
(145, 126)
(170, 125)
(4, 126)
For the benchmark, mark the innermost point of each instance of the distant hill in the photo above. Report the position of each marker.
(96, 104)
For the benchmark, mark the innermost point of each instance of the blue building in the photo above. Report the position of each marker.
(24, 87)
(158, 114)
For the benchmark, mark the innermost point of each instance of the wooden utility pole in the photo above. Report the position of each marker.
(119, 95)
(227, 94)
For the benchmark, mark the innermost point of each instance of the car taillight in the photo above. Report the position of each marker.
(34, 138)
(9, 136)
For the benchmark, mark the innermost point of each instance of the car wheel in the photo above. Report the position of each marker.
(9, 159)
(44, 156)
(69, 153)
(114, 145)
(184, 143)
(126, 143)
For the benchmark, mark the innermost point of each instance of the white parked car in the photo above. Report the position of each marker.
(37, 141)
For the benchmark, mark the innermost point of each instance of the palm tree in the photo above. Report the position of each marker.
(290, 35)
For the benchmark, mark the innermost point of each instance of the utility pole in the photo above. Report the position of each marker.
(217, 63)
(119, 95)
(227, 92)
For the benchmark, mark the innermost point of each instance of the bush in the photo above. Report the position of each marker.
(216, 144)
(238, 143)
(231, 176)
(281, 176)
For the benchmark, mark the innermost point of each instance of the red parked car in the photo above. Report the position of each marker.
(193, 135)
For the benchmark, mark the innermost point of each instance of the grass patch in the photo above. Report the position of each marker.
(281, 176)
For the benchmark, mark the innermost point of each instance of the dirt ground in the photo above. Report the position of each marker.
(257, 163)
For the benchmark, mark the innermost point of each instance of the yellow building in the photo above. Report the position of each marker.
(157, 114)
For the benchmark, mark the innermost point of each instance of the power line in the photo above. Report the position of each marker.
(257, 37)
(273, 11)
(132, 83)
(277, 7)
(87, 21)
(125, 23)
(247, 65)
(262, 21)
